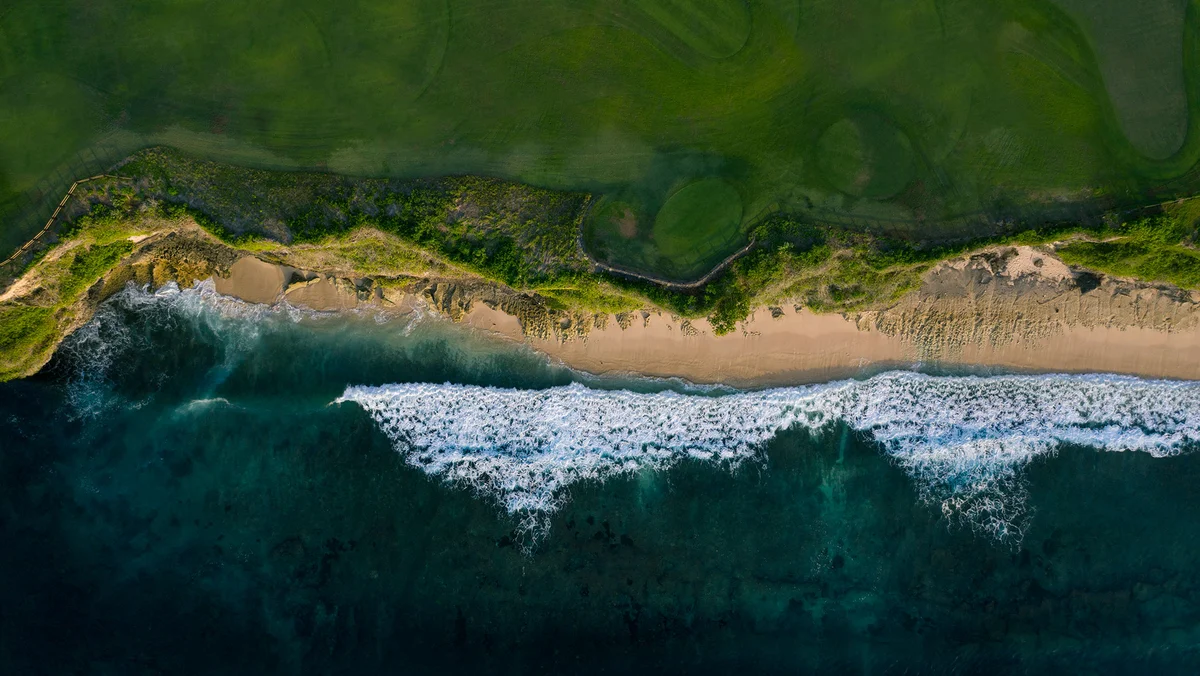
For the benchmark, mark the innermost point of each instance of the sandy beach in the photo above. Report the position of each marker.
(1010, 312)
(253, 281)
(804, 347)
(797, 348)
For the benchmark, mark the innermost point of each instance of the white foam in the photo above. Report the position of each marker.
(964, 439)
(97, 343)
(201, 404)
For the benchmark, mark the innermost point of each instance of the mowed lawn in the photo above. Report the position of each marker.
(901, 111)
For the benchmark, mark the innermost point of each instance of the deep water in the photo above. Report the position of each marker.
(180, 495)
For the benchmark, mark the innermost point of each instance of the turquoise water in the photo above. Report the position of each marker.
(196, 486)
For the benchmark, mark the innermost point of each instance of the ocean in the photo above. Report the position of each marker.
(195, 485)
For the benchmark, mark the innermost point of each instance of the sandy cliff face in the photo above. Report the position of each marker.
(1019, 295)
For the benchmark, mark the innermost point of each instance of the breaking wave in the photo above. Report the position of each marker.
(964, 440)
(99, 348)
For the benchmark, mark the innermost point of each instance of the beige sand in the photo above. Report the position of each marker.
(1012, 308)
(253, 280)
(804, 348)
(323, 294)
(801, 347)
(1134, 351)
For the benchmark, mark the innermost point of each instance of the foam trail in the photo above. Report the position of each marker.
(963, 439)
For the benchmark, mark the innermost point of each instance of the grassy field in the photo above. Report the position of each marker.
(1141, 58)
(696, 227)
(900, 114)
(696, 224)
(864, 156)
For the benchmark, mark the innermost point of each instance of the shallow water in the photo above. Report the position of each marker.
(200, 486)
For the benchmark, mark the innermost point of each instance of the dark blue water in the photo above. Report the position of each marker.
(178, 495)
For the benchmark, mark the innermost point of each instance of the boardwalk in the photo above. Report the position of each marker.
(53, 217)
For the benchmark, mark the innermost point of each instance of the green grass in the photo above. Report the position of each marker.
(865, 156)
(1005, 106)
(589, 293)
(716, 29)
(1157, 249)
(694, 228)
(25, 331)
(1139, 49)
(1175, 265)
(88, 265)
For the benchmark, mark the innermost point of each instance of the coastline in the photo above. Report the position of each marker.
(1020, 311)
(804, 348)
(1003, 308)
(796, 349)
(1119, 298)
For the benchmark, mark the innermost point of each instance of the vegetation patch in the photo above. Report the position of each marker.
(89, 264)
(626, 99)
(523, 237)
(515, 233)
(1159, 248)
(25, 332)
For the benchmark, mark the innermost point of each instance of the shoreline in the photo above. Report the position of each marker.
(958, 320)
(1007, 308)
(807, 348)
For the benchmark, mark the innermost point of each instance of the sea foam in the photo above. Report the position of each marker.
(964, 440)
